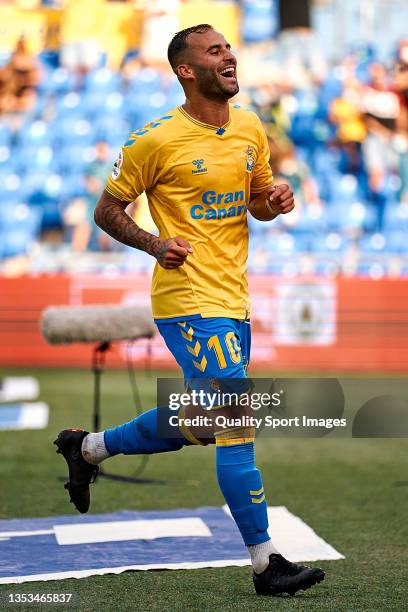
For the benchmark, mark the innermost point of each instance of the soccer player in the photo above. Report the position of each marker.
(202, 165)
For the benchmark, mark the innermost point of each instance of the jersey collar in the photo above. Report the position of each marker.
(215, 128)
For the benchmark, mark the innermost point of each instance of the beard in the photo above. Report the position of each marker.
(210, 84)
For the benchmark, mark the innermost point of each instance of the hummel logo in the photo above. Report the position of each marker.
(198, 163)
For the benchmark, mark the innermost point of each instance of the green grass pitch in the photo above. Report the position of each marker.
(346, 489)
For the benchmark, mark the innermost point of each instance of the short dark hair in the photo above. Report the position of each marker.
(179, 42)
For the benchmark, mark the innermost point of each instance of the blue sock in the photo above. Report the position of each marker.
(241, 485)
(140, 437)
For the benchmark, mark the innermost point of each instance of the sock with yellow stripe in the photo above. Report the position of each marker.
(241, 484)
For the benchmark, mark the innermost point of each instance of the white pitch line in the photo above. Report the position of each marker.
(25, 534)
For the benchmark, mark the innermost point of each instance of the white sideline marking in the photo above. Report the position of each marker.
(14, 388)
(34, 416)
(125, 568)
(294, 539)
(116, 531)
(28, 416)
(5, 535)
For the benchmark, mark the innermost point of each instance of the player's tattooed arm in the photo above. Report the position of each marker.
(276, 200)
(111, 216)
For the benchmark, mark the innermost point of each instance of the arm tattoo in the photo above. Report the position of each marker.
(110, 216)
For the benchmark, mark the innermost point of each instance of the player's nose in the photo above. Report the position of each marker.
(229, 56)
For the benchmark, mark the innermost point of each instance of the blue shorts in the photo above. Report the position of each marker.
(214, 348)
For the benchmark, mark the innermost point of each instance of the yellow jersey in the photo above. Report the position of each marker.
(198, 179)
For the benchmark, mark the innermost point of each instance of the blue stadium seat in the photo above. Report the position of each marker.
(375, 269)
(11, 185)
(15, 242)
(259, 20)
(175, 95)
(396, 241)
(59, 81)
(102, 80)
(396, 217)
(343, 188)
(158, 102)
(70, 105)
(374, 243)
(285, 267)
(73, 184)
(32, 158)
(330, 243)
(5, 134)
(72, 158)
(20, 217)
(36, 133)
(110, 129)
(5, 156)
(93, 104)
(138, 110)
(72, 130)
(328, 265)
(310, 221)
(146, 80)
(280, 242)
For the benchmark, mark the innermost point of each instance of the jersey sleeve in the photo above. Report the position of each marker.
(262, 174)
(133, 171)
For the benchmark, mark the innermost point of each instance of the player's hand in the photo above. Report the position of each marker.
(280, 199)
(173, 252)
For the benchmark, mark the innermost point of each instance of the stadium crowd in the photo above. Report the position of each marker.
(338, 134)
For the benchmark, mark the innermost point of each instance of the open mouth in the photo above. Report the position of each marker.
(229, 73)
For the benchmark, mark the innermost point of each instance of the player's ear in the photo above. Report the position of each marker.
(185, 71)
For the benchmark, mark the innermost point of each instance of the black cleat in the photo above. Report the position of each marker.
(81, 473)
(282, 576)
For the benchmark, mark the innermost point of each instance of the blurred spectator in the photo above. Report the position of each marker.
(297, 174)
(78, 215)
(19, 80)
(82, 233)
(290, 169)
(102, 163)
(7, 96)
(381, 108)
(78, 221)
(351, 131)
(269, 106)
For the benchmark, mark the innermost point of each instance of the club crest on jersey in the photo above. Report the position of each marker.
(117, 166)
(199, 167)
(250, 159)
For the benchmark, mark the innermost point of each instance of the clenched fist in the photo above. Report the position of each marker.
(172, 253)
(280, 199)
